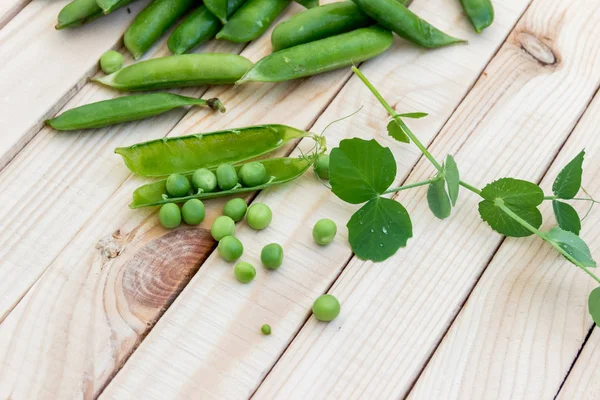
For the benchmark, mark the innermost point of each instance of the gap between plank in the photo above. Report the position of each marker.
(13, 12)
(587, 337)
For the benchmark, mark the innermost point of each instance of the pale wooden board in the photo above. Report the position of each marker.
(394, 313)
(527, 318)
(10, 8)
(582, 382)
(208, 343)
(42, 68)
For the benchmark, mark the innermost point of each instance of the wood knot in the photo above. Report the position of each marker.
(537, 49)
(111, 246)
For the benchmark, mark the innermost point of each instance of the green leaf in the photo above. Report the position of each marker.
(521, 197)
(360, 170)
(594, 305)
(395, 130)
(439, 202)
(414, 115)
(379, 229)
(452, 178)
(568, 182)
(567, 217)
(572, 245)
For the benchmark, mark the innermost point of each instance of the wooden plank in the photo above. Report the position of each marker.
(395, 313)
(208, 343)
(527, 318)
(10, 8)
(31, 91)
(582, 382)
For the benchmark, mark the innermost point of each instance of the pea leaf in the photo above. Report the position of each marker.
(379, 229)
(566, 216)
(438, 200)
(594, 305)
(521, 197)
(572, 244)
(360, 170)
(414, 115)
(395, 130)
(452, 178)
(568, 182)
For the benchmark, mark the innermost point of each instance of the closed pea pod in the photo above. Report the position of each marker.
(108, 6)
(320, 56)
(218, 8)
(479, 12)
(77, 13)
(125, 109)
(252, 20)
(179, 71)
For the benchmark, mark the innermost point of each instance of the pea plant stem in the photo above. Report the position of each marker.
(410, 186)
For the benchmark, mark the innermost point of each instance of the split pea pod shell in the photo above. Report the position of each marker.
(125, 109)
(152, 22)
(280, 170)
(185, 154)
(252, 20)
(77, 13)
(321, 56)
(479, 12)
(178, 71)
(406, 24)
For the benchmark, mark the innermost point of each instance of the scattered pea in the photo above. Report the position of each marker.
(326, 307)
(266, 329)
(235, 209)
(230, 248)
(223, 226)
(205, 180)
(111, 61)
(169, 215)
(253, 174)
(244, 272)
(324, 231)
(193, 212)
(177, 185)
(259, 216)
(272, 256)
(227, 177)
(322, 166)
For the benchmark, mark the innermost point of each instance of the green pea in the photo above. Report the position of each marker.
(169, 216)
(244, 272)
(223, 226)
(235, 209)
(111, 61)
(326, 308)
(227, 177)
(259, 216)
(205, 180)
(253, 174)
(177, 185)
(230, 248)
(324, 231)
(272, 256)
(193, 212)
(266, 329)
(322, 166)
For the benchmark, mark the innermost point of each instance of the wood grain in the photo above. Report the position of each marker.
(582, 382)
(10, 8)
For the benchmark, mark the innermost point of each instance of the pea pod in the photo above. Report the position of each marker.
(399, 19)
(124, 109)
(109, 6)
(186, 154)
(252, 20)
(308, 3)
(178, 71)
(77, 13)
(152, 22)
(320, 56)
(479, 12)
(280, 170)
(218, 8)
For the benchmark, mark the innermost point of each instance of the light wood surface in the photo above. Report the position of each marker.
(582, 382)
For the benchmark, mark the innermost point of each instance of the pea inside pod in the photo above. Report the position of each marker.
(124, 109)
(252, 20)
(178, 71)
(185, 154)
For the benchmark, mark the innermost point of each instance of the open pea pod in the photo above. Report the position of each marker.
(185, 154)
(280, 170)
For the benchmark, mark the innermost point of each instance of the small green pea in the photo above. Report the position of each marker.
(223, 226)
(230, 248)
(227, 177)
(259, 216)
(253, 174)
(111, 61)
(193, 212)
(205, 180)
(169, 215)
(177, 185)
(244, 272)
(322, 166)
(272, 256)
(266, 329)
(324, 231)
(326, 307)
(235, 209)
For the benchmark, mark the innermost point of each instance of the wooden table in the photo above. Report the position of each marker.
(99, 300)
